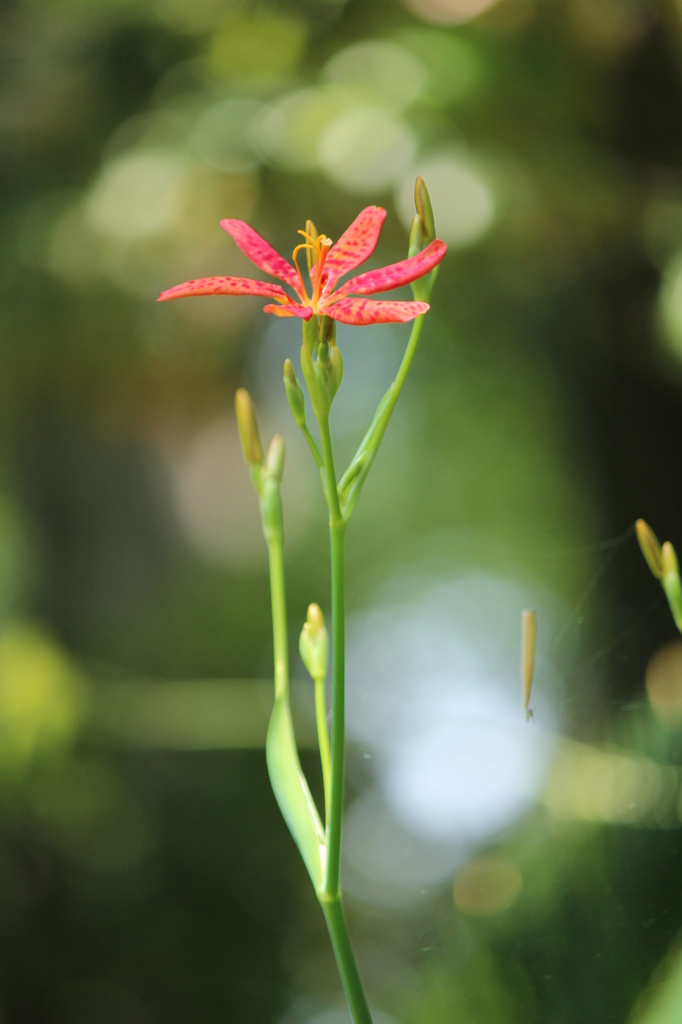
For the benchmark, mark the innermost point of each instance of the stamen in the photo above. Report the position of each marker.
(324, 244)
(304, 293)
(317, 248)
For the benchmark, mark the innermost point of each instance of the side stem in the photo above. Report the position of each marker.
(274, 536)
(323, 739)
(338, 553)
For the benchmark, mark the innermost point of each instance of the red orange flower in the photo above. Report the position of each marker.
(328, 263)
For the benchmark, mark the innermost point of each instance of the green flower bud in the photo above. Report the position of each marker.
(328, 330)
(336, 375)
(669, 560)
(416, 240)
(273, 466)
(295, 395)
(323, 370)
(422, 201)
(314, 643)
(248, 428)
(317, 390)
(650, 547)
(671, 582)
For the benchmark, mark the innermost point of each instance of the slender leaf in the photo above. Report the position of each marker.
(292, 793)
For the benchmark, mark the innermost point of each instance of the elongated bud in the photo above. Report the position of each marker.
(328, 330)
(529, 627)
(416, 241)
(273, 467)
(317, 385)
(422, 201)
(671, 582)
(314, 643)
(248, 428)
(336, 375)
(669, 565)
(323, 356)
(294, 393)
(650, 547)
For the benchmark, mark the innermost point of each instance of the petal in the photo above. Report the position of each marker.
(356, 244)
(397, 274)
(369, 311)
(304, 312)
(261, 252)
(224, 286)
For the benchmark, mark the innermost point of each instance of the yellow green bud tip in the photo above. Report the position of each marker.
(650, 547)
(313, 643)
(668, 560)
(248, 428)
(274, 460)
(422, 202)
(289, 372)
(315, 619)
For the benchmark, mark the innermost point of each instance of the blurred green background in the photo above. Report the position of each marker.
(495, 871)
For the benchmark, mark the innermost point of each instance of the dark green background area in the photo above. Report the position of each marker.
(147, 883)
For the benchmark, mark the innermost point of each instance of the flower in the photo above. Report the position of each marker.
(327, 263)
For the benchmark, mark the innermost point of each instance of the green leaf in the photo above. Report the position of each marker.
(291, 791)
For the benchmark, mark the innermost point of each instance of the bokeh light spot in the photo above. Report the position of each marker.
(670, 306)
(487, 885)
(257, 48)
(42, 697)
(137, 195)
(450, 12)
(366, 149)
(664, 684)
(380, 72)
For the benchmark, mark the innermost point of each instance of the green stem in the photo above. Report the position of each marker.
(313, 447)
(345, 960)
(323, 739)
(330, 897)
(274, 537)
(337, 531)
(673, 591)
(335, 513)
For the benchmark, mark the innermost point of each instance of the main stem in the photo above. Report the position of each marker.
(345, 960)
(337, 531)
(330, 897)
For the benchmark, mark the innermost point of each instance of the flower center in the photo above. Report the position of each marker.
(317, 247)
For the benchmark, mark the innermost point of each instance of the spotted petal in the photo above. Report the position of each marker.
(355, 245)
(261, 252)
(293, 309)
(362, 312)
(397, 274)
(224, 286)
